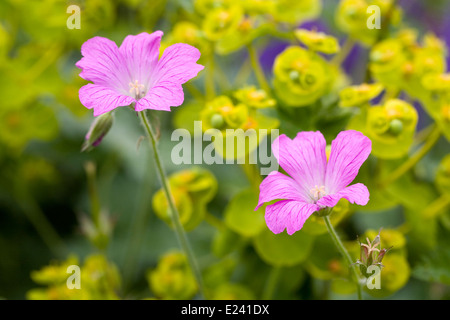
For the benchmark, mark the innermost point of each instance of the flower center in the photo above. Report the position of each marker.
(317, 192)
(137, 89)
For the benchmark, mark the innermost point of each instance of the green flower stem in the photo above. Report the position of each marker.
(271, 283)
(90, 169)
(344, 253)
(243, 74)
(224, 83)
(344, 52)
(215, 222)
(40, 222)
(194, 91)
(259, 73)
(422, 135)
(182, 238)
(411, 162)
(210, 90)
(437, 207)
(252, 173)
(138, 226)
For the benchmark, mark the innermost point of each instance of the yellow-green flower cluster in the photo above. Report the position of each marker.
(402, 63)
(254, 97)
(99, 279)
(244, 113)
(172, 279)
(192, 190)
(295, 11)
(359, 95)
(318, 41)
(390, 126)
(239, 117)
(301, 76)
(221, 113)
(229, 25)
(352, 18)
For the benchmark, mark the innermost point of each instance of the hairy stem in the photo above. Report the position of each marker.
(344, 253)
(93, 192)
(271, 283)
(181, 235)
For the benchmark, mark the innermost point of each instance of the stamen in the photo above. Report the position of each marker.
(317, 192)
(136, 88)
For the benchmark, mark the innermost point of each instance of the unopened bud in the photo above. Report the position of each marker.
(99, 128)
(294, 75)
(217, 121)
(396, 127)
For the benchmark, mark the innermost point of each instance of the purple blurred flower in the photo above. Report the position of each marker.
(314, 182)
(132, 73)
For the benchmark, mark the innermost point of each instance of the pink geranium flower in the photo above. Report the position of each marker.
(314, 182)
(132, 73)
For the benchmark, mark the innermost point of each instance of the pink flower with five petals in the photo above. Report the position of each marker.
(132, 73)
(315, 183)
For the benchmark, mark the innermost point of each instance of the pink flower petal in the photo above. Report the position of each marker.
(277, 186)
(102, 99)
(176, 66)
(162, 97)
(348, 152)
(141, 53)
(357, 193)
(289, 215)
(303, 158)
(103, 64)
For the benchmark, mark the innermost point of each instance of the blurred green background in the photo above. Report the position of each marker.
(44, 187)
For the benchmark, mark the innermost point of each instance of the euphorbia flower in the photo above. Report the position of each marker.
(132, 73)
(314, 182)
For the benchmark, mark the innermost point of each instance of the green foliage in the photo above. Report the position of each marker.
(282, 249)
(172, 278)
(99, 280)
(240, 214)
(396, 91)
(434, 268)
(192, 190)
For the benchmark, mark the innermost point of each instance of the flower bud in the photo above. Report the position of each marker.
(294, 75)
(395, 126)
(99, 128)
(217, 121)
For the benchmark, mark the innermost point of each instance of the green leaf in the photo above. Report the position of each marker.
(434, 267)
(240, 214)
(225, 242)
(283, 249)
